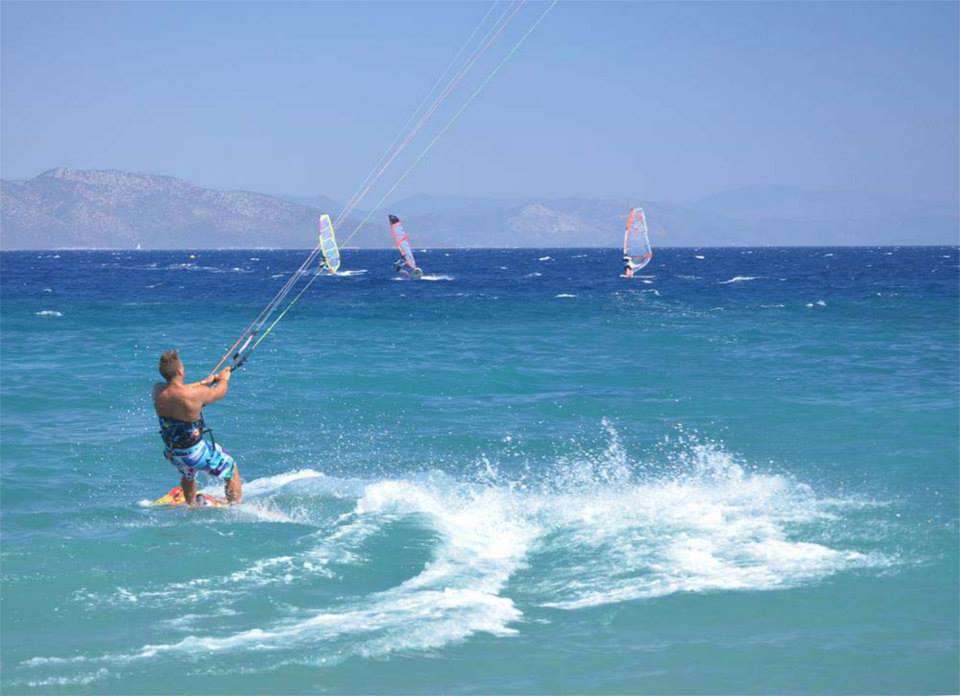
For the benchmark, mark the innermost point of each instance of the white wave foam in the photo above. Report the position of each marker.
(436, 277)
(190, 266)
(738, 279)
(714, 528)
(564, 295)
(269, 484)
(78, 680)
(818, 303)
(545, 258)
(535, 274)
(483, 538)
(593, 529)
(48, 313)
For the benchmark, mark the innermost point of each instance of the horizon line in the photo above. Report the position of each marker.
(523, 248)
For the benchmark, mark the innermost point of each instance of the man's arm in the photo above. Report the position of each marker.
(214, 387)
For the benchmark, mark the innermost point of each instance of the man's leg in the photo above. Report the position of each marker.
(233, 488)
(189, 487)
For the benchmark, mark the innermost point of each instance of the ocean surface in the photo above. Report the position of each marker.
(736, 473)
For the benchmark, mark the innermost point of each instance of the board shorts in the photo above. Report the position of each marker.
(212, 460)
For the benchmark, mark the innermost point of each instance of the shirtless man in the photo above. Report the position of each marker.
(180, 409)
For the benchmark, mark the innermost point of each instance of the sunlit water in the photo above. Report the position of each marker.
(735, 473)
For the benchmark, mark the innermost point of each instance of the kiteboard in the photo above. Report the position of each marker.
(174, 497)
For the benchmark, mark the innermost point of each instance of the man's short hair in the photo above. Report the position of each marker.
(170, 364)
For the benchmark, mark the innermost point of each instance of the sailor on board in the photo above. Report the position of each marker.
(179, 407)
(398, 267)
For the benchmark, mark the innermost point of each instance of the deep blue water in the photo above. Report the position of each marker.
(737, 473)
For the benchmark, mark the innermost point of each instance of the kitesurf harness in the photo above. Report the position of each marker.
(181, 435)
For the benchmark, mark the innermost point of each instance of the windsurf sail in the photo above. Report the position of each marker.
(328, 244)
(636, 242)
(402, 241)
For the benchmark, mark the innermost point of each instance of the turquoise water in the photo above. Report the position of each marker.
(737, 473)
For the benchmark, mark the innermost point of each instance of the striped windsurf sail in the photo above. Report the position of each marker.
(402, 241)
(636, 242)
(328, 244)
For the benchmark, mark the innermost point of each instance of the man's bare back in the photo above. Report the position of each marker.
(186, 401)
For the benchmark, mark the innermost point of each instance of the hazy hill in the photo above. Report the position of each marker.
(80, 208)
(65, 208)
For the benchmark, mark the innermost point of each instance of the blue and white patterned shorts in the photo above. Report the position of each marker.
(212, 460)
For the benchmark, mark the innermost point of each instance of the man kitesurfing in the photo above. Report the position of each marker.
(179, 407)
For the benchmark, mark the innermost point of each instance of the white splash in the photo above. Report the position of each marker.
(591, 529)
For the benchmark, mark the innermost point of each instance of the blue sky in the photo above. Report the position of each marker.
(665, 101)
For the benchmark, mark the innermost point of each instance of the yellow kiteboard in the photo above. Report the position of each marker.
(175, 497)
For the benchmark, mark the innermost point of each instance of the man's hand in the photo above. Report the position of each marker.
(222, 376)
(217, 386)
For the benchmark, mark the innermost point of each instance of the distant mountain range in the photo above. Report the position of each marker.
(68, 208)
